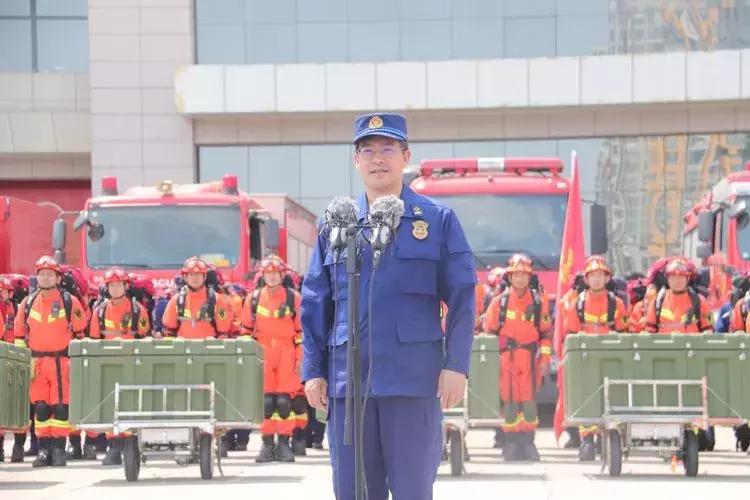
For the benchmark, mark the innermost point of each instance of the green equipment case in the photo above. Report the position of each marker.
(235, 366)
(484, 376)
(15, 381)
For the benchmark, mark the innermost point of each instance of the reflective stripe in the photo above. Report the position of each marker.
(267, 313)
(109, 324)
(593, 318)
(667, 314)
(547, 350)
(35, 315)
(53, 424)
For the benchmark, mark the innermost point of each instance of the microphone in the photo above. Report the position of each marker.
(340, 214)
(385, 217)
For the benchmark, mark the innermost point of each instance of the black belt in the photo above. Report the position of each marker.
(513, 345)
(50, 354)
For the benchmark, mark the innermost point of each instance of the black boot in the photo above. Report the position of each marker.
(499, 439)
(100, 443)
(587, 451)
(266, 453)
(17, 455)
(574, 439)
(75, 452)
(114, 453)
(298, 443)
(44, 455)
(2, 447)
(512, 449)
(317, 444)
(283, 451)
(59, 457)
(529, 452)
(243, 437)
(89, 451)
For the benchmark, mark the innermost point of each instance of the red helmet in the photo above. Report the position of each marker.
(495, 275)
(596, 263)
(272, 263)
(194, 265)
(47, 262)
(5, 283)
(19, 281)
(115, 274)
(680, 266)
(141, 282)
(520, 263)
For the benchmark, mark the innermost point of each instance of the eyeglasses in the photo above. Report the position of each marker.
(388, 152)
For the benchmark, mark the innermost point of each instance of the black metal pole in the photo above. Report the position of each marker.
(353, 417)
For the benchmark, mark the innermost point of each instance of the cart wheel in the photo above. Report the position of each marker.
(691, 453)
(614, 453)
(131, 458)
(456, 452)
(205, 457)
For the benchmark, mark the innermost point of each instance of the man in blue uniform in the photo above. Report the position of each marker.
(415, 368)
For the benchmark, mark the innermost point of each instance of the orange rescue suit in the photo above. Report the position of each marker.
(196, 321)
(677, 314)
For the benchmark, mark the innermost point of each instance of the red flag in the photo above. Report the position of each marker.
(571, 261)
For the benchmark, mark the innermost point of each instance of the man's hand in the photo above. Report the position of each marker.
(451, 388)
(316, 391)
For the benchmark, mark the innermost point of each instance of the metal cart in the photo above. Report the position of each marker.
(188, 436)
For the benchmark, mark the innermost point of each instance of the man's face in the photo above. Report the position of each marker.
(47, 278)
(195, 280)
(597, 280)
(272, 278)
(381, 162)
(116, 289)
(520, 280)
(677, 283)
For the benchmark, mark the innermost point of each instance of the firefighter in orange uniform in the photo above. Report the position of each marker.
(599, 311)
(118, 316)
(271, 316)
(196, 311)
(47, 320)
(520, 318)
(678, 308)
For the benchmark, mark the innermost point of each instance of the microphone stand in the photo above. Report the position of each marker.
(353, 415)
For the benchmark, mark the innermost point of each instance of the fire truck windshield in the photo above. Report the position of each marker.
(497, 226)
(162, 237)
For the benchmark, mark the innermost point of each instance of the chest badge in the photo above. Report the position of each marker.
(419, 229)
(417, 211)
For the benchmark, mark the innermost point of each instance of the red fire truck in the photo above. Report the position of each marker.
(152, 230)
(716, 233)
(509, 205)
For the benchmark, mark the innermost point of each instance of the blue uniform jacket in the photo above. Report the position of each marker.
(416, 273)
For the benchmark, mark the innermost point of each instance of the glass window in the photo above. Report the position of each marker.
(422, 10)
(215, 162)
(582, 7)
(324, 170)
(219, 11)
(277, 11)
(165, 227)
(425, 40)
(538, 222)
(477, 38)
(275, 169)
(15, 8)
(520, 8)
(15, 45)
(321, 42)
(221, 44)
(366, 11)
(322, 11)
(361, 47)
(271, 43)
(70, 56)
(483, 9)
(572, 40)
(61, 8)
(531, 148)
(479, 149)
(529, 37)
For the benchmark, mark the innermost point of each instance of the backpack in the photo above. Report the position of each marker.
(208, 310)
(135, 314)
(694, 313)
(288, 305)
(67, 305)
(611, 309)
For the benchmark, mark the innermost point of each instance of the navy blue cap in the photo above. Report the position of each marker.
(383, 124)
